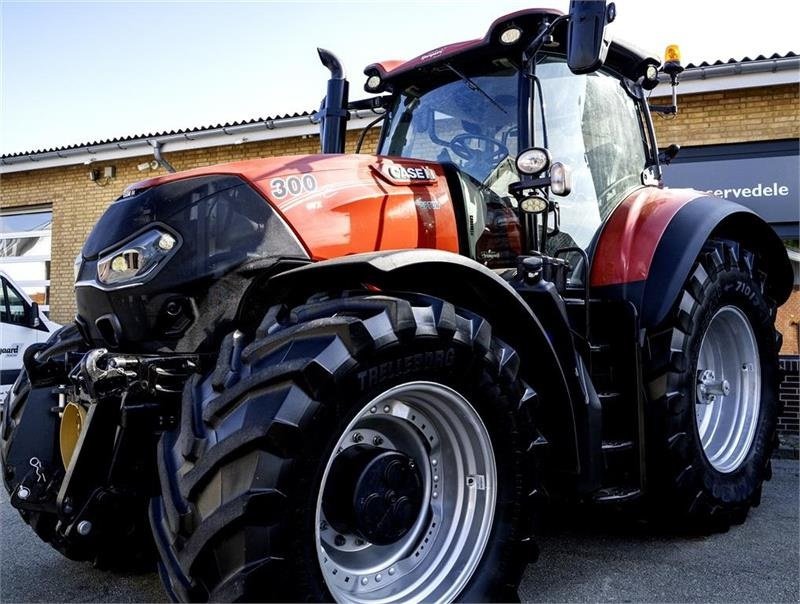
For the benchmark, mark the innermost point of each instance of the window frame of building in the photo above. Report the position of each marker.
(32, 287)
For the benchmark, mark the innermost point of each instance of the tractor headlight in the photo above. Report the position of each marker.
(533, 161)
(534, 205)
(138, 258)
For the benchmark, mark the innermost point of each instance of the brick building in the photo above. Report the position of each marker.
(730, 115)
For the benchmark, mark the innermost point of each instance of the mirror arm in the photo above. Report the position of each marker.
(536, 43)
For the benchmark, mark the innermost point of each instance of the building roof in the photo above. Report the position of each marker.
(150, 135)
(738, 73)
(742, 60)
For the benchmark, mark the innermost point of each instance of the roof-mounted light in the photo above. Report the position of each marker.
(672, 62)
(672, 54)
(374, 83)
(650, 75)
(511, 35)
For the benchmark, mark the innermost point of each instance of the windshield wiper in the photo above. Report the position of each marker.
(473, 86)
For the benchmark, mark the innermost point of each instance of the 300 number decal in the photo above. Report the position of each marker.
(293, 185)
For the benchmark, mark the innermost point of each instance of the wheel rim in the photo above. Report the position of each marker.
(438, 428)
(728, 389)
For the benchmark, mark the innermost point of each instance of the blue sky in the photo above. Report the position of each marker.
(77, 72)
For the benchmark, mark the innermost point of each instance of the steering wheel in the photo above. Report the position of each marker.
(460, 147)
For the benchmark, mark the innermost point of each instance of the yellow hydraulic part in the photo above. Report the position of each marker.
(72, 420)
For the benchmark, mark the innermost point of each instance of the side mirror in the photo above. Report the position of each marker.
(33, 316)
(587, 45)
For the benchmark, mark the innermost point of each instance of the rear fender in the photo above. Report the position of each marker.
(467, 284)
(650, 243)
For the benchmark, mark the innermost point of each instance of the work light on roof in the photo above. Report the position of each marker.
(511, 35)
(374, 83)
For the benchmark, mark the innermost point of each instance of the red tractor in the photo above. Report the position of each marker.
(351, 377)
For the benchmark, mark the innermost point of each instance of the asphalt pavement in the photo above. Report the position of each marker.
(582, 561)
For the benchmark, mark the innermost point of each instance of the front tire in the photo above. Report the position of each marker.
(713, 393)
(364, 448)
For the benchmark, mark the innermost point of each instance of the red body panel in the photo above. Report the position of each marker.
(631, 234)
(347, 204)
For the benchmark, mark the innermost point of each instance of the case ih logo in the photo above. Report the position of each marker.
(403, 175)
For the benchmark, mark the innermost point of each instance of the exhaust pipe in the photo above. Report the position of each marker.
(333, 113)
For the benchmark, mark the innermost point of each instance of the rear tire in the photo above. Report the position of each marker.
(243, 511)
(713, 393)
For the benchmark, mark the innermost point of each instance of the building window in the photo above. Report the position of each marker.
(25, 238)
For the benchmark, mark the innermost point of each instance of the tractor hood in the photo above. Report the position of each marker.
(345, 204)
(166, 257)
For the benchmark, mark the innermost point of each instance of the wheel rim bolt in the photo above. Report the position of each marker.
(434, 462)
(339, 540)
(435, 494)
(378, 577)
(358, 437)
(391, 571)
(386, 409)
(377, 441)
(359, 542)
(373, 409)
(364, 580)
(323, 525)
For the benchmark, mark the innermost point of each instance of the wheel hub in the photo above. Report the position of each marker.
(373, 492)
(709, 388)
(728, 389)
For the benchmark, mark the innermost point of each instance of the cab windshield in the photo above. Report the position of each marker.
(469, 121)
(597, 129)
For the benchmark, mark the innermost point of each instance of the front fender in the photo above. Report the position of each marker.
(467, 284)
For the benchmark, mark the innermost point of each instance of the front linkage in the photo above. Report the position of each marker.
(86, 488)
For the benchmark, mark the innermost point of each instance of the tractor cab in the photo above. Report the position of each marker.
(506, 113)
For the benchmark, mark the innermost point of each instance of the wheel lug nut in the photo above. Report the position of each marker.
(339, 540)
(434, 462)
(364, 580)
(323, 525)
(378, 577)
(386, 409)
(358, 437)
(377, 441)
(359, 542)
(391, 571)
(373, 409)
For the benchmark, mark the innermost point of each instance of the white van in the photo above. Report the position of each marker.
(22, 323)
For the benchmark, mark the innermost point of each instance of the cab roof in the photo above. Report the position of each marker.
(622, 57)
